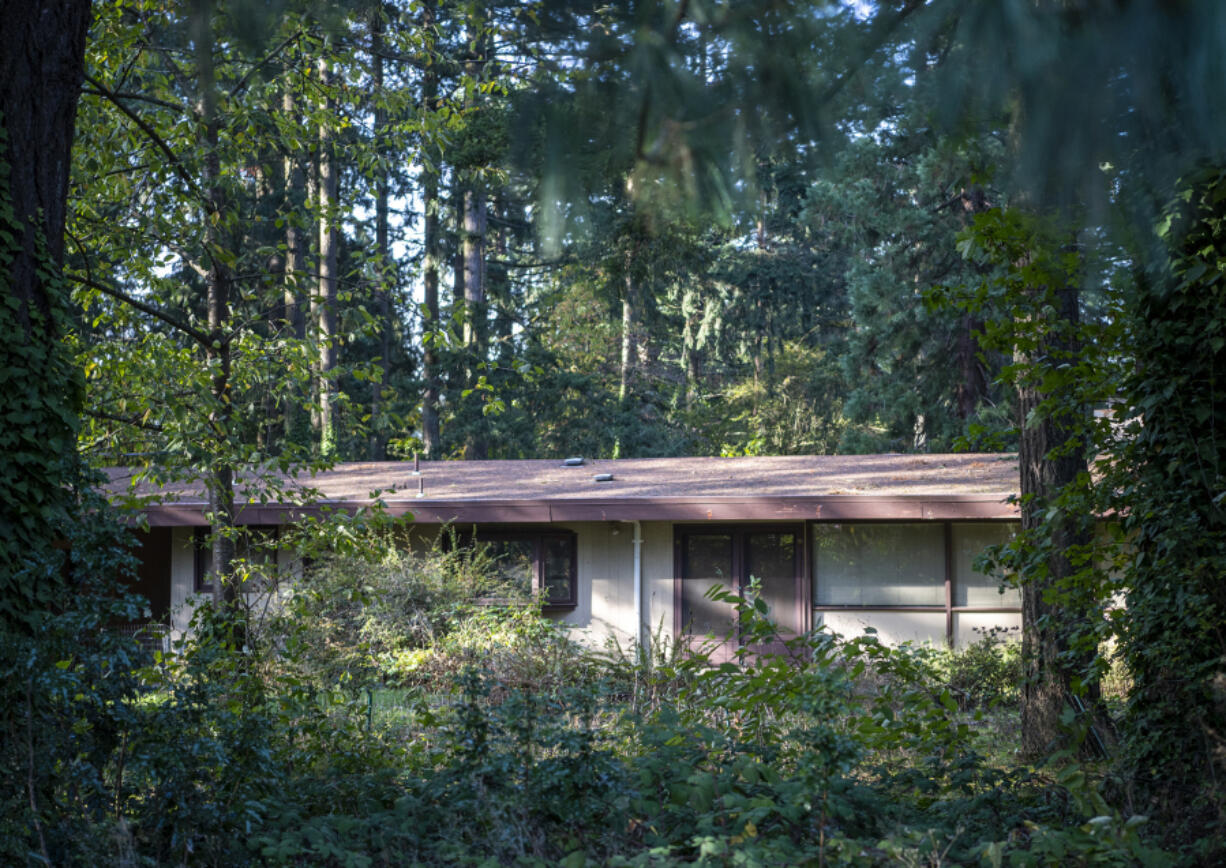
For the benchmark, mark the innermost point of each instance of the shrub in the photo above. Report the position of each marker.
(985, 673)
(381, 617)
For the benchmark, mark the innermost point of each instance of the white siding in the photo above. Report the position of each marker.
(182, 580)
(606, 583)
(893, 628)
(970, 627)
(606, 590)
(184, 599)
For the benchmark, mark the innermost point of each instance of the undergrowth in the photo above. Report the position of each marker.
(511, 745)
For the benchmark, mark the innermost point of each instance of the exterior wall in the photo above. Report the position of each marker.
(970, 627)
(605, 568)
(659, 606)
(893, 628)
(183, 599)
(183, 596)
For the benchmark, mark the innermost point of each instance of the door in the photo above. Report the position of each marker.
(731, 558)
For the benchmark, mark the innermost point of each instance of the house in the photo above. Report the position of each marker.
(630, 546)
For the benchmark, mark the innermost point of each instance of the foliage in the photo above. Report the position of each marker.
(804, 750)
(406, 619)
(39, 472)
(65, 676)
(982, 675)
(772, 759)
(712, 225)
(1168, 486)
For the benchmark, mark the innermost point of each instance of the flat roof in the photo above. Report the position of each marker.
(832, 487)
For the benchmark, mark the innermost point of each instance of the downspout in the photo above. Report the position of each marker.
(638, 585)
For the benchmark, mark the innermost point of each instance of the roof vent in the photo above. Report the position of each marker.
(573, 462)
(603, 477)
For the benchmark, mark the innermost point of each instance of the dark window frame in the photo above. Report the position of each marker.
(201, 551)
(538, 537)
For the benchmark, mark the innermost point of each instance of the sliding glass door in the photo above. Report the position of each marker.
(771, 558)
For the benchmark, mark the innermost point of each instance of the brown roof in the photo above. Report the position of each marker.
(827, 486)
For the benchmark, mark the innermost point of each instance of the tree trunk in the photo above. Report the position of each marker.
(629, 338)
(474, 269)
(691, 310)
(475, 227)
(295, 262)
(1046, 465)
(477, 446)
(313, 307)
(383, 291)
(40, 79)
(220, 481)
(430, 241)
(973, 382)
(430, 311)
(328, 249)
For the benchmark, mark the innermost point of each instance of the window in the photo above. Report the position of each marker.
(255, 548)
(537, 562)
(922, 571)
(731, 557)
(970, 587)
(879, 564)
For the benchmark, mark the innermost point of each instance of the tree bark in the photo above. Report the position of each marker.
(474, 234)
(629, 334)
(295, 260)
(311, 327)
(973, 382)
(40, 79)
(1046, 465)
(691, 365)
(383, 290)
(329, 242)
(430, 239)
(220, 481)
(474, 269)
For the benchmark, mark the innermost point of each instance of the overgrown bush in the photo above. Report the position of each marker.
(394, 617)
(984, 674)
(520, 748)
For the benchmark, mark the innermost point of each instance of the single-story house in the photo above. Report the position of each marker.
(629, 547)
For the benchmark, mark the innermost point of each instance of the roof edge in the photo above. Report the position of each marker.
(834, 507)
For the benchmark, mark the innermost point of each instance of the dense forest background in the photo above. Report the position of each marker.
(275, 234)
(515, 230)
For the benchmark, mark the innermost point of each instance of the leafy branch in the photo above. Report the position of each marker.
(171, 320)
(175, 163)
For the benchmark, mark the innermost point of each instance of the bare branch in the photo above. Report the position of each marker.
(134, 421)
(139, 97)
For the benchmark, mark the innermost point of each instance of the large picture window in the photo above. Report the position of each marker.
(879, 564)
(922, 572)
(972, 588)
(537, 562)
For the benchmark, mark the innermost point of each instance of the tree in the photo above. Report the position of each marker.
(39, 86)
(188, 335)
(1114, 124)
